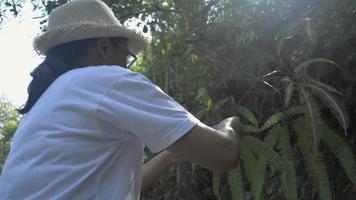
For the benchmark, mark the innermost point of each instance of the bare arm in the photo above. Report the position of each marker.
(217, 150)
(155, 167)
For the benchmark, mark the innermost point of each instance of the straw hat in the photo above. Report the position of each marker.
(83, 19)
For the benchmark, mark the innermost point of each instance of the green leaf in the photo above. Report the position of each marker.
(323, 179)
(235, 183)
(9, 128)
(288, 93)
(311, 112)
(204, 97)
(289, 181)
(323, 85)
(247, 114)
(250, 129)
(307, 63)
(333, 104)
(342, 151)
(279, 116)
(216, 184)
(274, 119)
(254, 165)
(315, 164)
(260, 148)
(279, 135)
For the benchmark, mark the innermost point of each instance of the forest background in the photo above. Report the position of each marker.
(287, 68)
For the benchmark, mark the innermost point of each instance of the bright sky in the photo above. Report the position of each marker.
(16, 53)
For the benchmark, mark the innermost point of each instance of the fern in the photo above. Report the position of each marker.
(250, 129)
(315, 164)
(247, 114)
(277, 117)
(261, 149)
(272, 138)
(333, 103)
(323, 179)
(274, 119)
(307, 63)
(341, 150)
(288, 91)
(216, 184)
(254, 166)
(279, 135)
(289, 182)
(322, 85)
(311, 113)
(235, 183)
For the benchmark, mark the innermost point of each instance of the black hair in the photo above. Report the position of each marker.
(58, 61)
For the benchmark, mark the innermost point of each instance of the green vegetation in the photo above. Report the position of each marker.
(287, 68)
(9, 119)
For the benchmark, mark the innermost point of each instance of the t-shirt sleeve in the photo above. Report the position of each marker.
(134, 104)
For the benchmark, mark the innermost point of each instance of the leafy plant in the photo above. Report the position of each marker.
(270, 56)
(9, 119)
(276, 151)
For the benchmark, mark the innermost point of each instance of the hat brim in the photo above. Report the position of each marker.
(46, 41)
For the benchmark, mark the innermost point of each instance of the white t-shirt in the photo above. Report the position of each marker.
(85, 136)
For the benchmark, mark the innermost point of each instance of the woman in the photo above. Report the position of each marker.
(88, 118)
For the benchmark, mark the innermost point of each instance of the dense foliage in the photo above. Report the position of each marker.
(286, 67)
(9, 119)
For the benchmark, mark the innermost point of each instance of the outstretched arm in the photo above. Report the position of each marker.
(156, 166)
(216, 149)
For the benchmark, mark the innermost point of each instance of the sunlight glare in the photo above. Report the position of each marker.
(18, 57)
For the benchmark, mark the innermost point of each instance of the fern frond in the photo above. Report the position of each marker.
(311, 113)
(216, 184)
(323, 179)
(315, 164)
(247, 114)
(322, 85)
(341, 150)
(274, 119)
(235, 183)
(288, 91)
(333, 104)
(272, 138)
(289, 182)
(307, 63)
(295, 110)
(279, 135)
(250, 129)
(254, 166)
(261, 149)
(277, 117)
(305, 139)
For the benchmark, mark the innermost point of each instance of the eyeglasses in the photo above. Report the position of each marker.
(131, 60)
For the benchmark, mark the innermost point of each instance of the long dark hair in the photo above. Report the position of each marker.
(59, 60)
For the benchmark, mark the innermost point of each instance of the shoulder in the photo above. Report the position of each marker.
(103, 74)
(112, 79)
(99, 70)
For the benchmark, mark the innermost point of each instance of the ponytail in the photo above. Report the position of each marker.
(58, 61)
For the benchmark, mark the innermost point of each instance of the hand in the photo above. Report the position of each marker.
(229, 123)
(232, 125)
